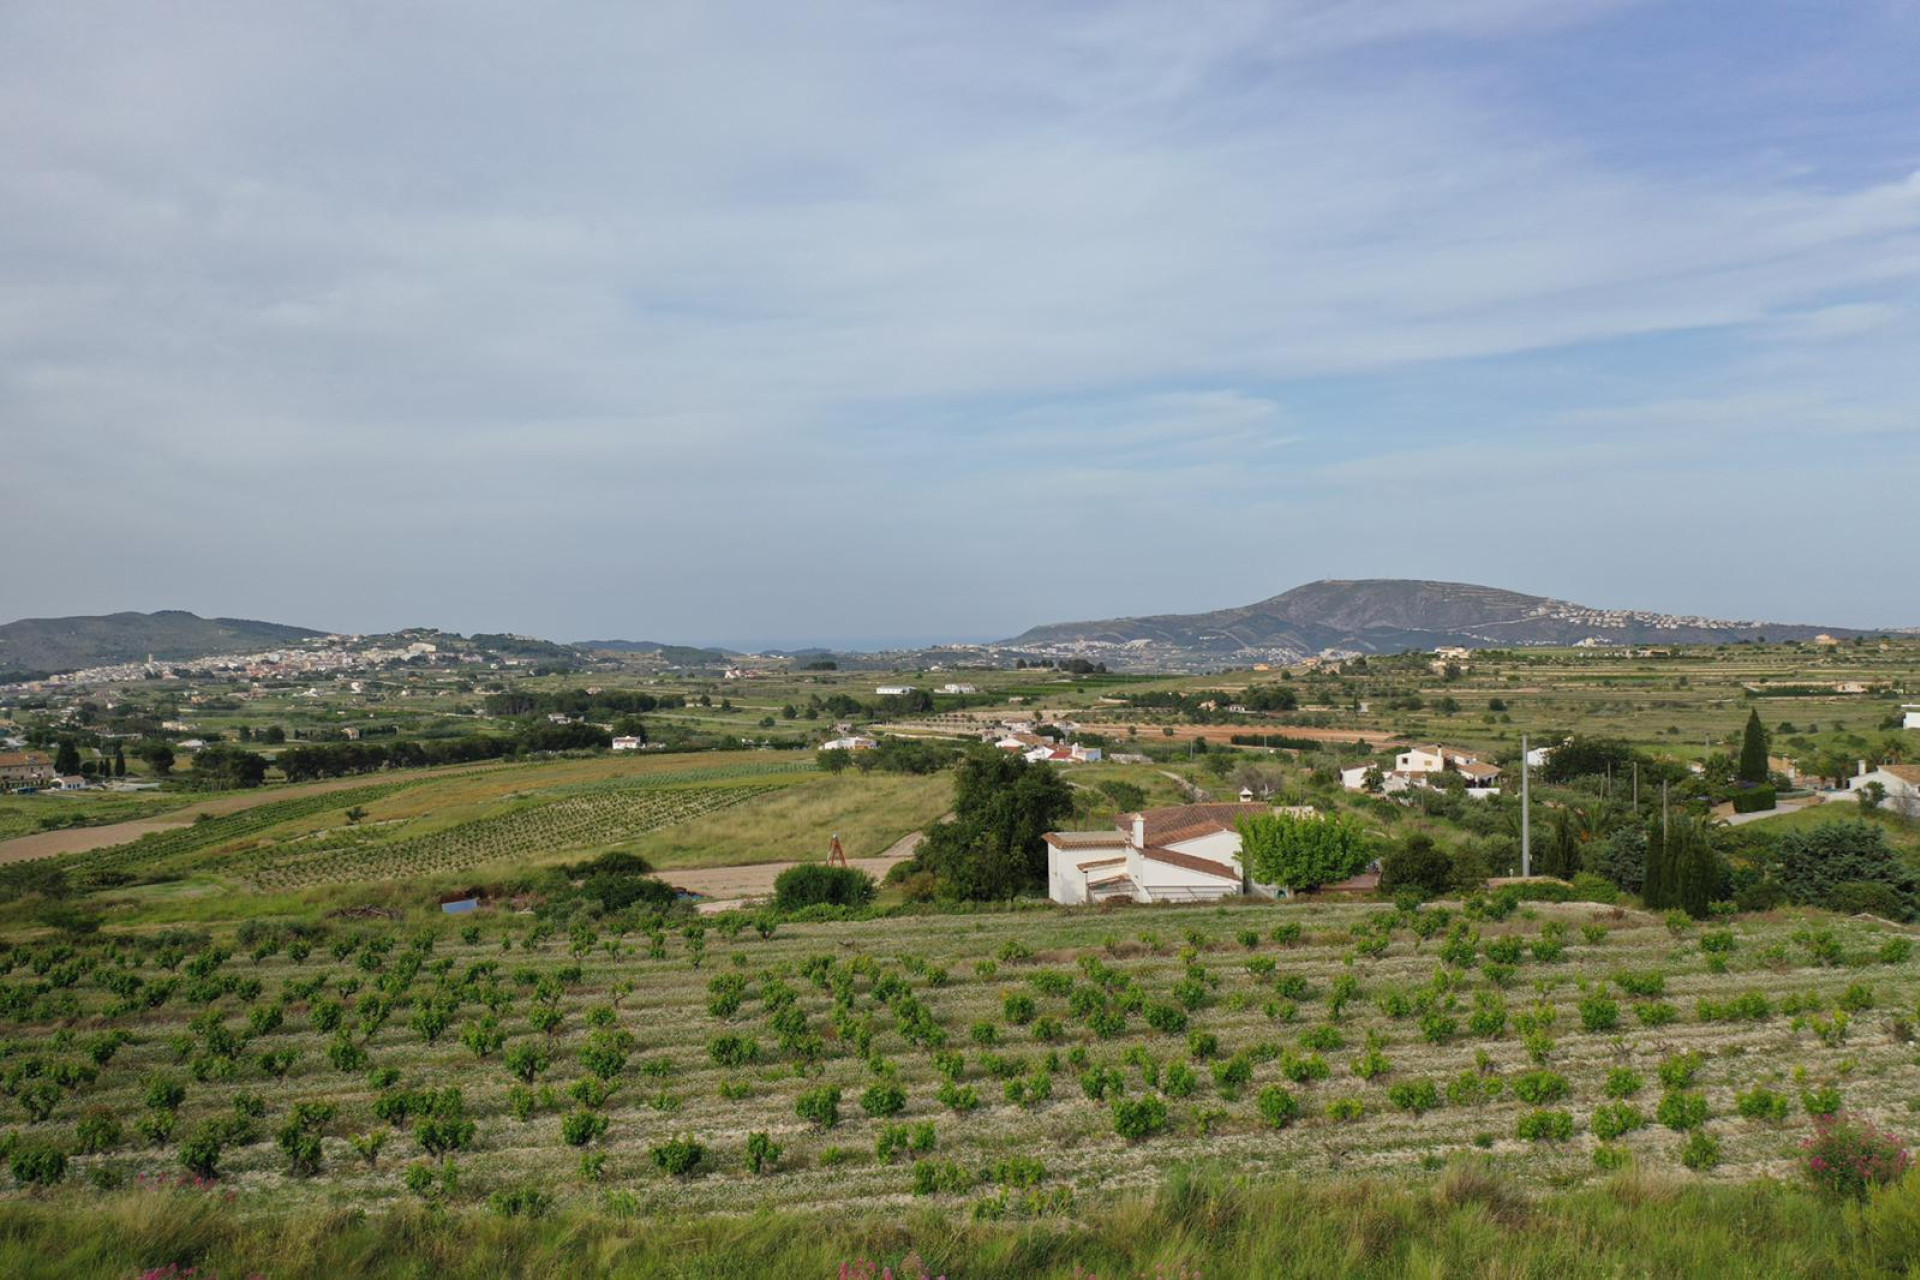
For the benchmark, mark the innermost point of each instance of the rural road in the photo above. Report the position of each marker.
(1786, 806)
(728, 887)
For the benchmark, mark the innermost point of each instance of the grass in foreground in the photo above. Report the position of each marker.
(1464, 1223)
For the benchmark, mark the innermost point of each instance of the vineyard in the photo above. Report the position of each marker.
(492, 816)
(603, 816)
(1001, 1066)
(177, 849)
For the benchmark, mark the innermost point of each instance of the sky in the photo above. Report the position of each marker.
(860, 323)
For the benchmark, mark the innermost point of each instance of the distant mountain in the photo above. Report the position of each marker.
(171, 635)
(1387, 615)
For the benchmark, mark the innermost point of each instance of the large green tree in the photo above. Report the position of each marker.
(1302, 853)
(66, 759)
(1815, 865)
(1753, 750)
(992, 847)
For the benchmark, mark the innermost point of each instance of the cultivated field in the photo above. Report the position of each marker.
(983, 1062)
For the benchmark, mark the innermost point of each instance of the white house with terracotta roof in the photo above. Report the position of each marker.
(1183, 853)
(1901, 782)
(1421, 766)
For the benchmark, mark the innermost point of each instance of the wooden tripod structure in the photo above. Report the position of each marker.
(836, 856)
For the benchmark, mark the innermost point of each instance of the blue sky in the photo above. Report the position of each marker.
(773, 324)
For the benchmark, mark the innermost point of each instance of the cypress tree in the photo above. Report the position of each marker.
(67, 758)
(119, 762)
(1694, 869)
(1656, 892)
(1753, 750)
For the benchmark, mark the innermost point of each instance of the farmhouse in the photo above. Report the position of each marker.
(1912, 718)
(1901, 782)
(1183, 853)
(1047, 753)
(626, 742)
(894, 690)
(25, 769)
(959, 688)
(852, 742)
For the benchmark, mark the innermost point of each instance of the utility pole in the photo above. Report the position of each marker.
(1526, 817)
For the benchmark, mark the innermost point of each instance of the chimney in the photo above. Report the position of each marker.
(1139, 831)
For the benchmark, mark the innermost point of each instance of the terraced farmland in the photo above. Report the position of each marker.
(1000, 1065)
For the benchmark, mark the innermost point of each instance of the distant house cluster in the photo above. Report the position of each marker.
(1426, 766)
(1020, 737)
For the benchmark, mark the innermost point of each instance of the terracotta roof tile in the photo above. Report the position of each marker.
(1206, 866)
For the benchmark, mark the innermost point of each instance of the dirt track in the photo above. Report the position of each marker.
(726, 887)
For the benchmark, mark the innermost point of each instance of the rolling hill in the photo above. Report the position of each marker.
(1386, 615)
(69, 644)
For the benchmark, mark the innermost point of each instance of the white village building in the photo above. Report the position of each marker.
(852, 742)
(1183, 853)
(1901, 782)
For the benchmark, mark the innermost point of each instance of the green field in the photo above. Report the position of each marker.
(1000, 1045)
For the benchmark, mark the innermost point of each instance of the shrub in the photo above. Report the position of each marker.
(1761, 1103)
(1179, 1080)
(678, 1157)
(1342, 1110)
(1323, 1037)
(814, 884)
(1137, 1118)
(884, 1099)
(1612, 1119)
(201, 1152)
(98, 1130)
(1417, 1096)
(1304, 1069)
(1588, 887)
(1536, 1088)
(1679, 1071)
(820, 1107)
(1020, 1009)
(1848, 1158)
(443, 1125)
(1170, 1019)
(37, 1163)
(762, 1152)
(1680, 1110)
(1655, 1013)
(1545, 1126)
(1701, 1151)
(581, 1127)
(942, 1177)
(733, 1050)
(1821, 1101)
(1278, 1107)
(1598, 1013)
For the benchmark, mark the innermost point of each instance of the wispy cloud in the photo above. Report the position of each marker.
(738, 266)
